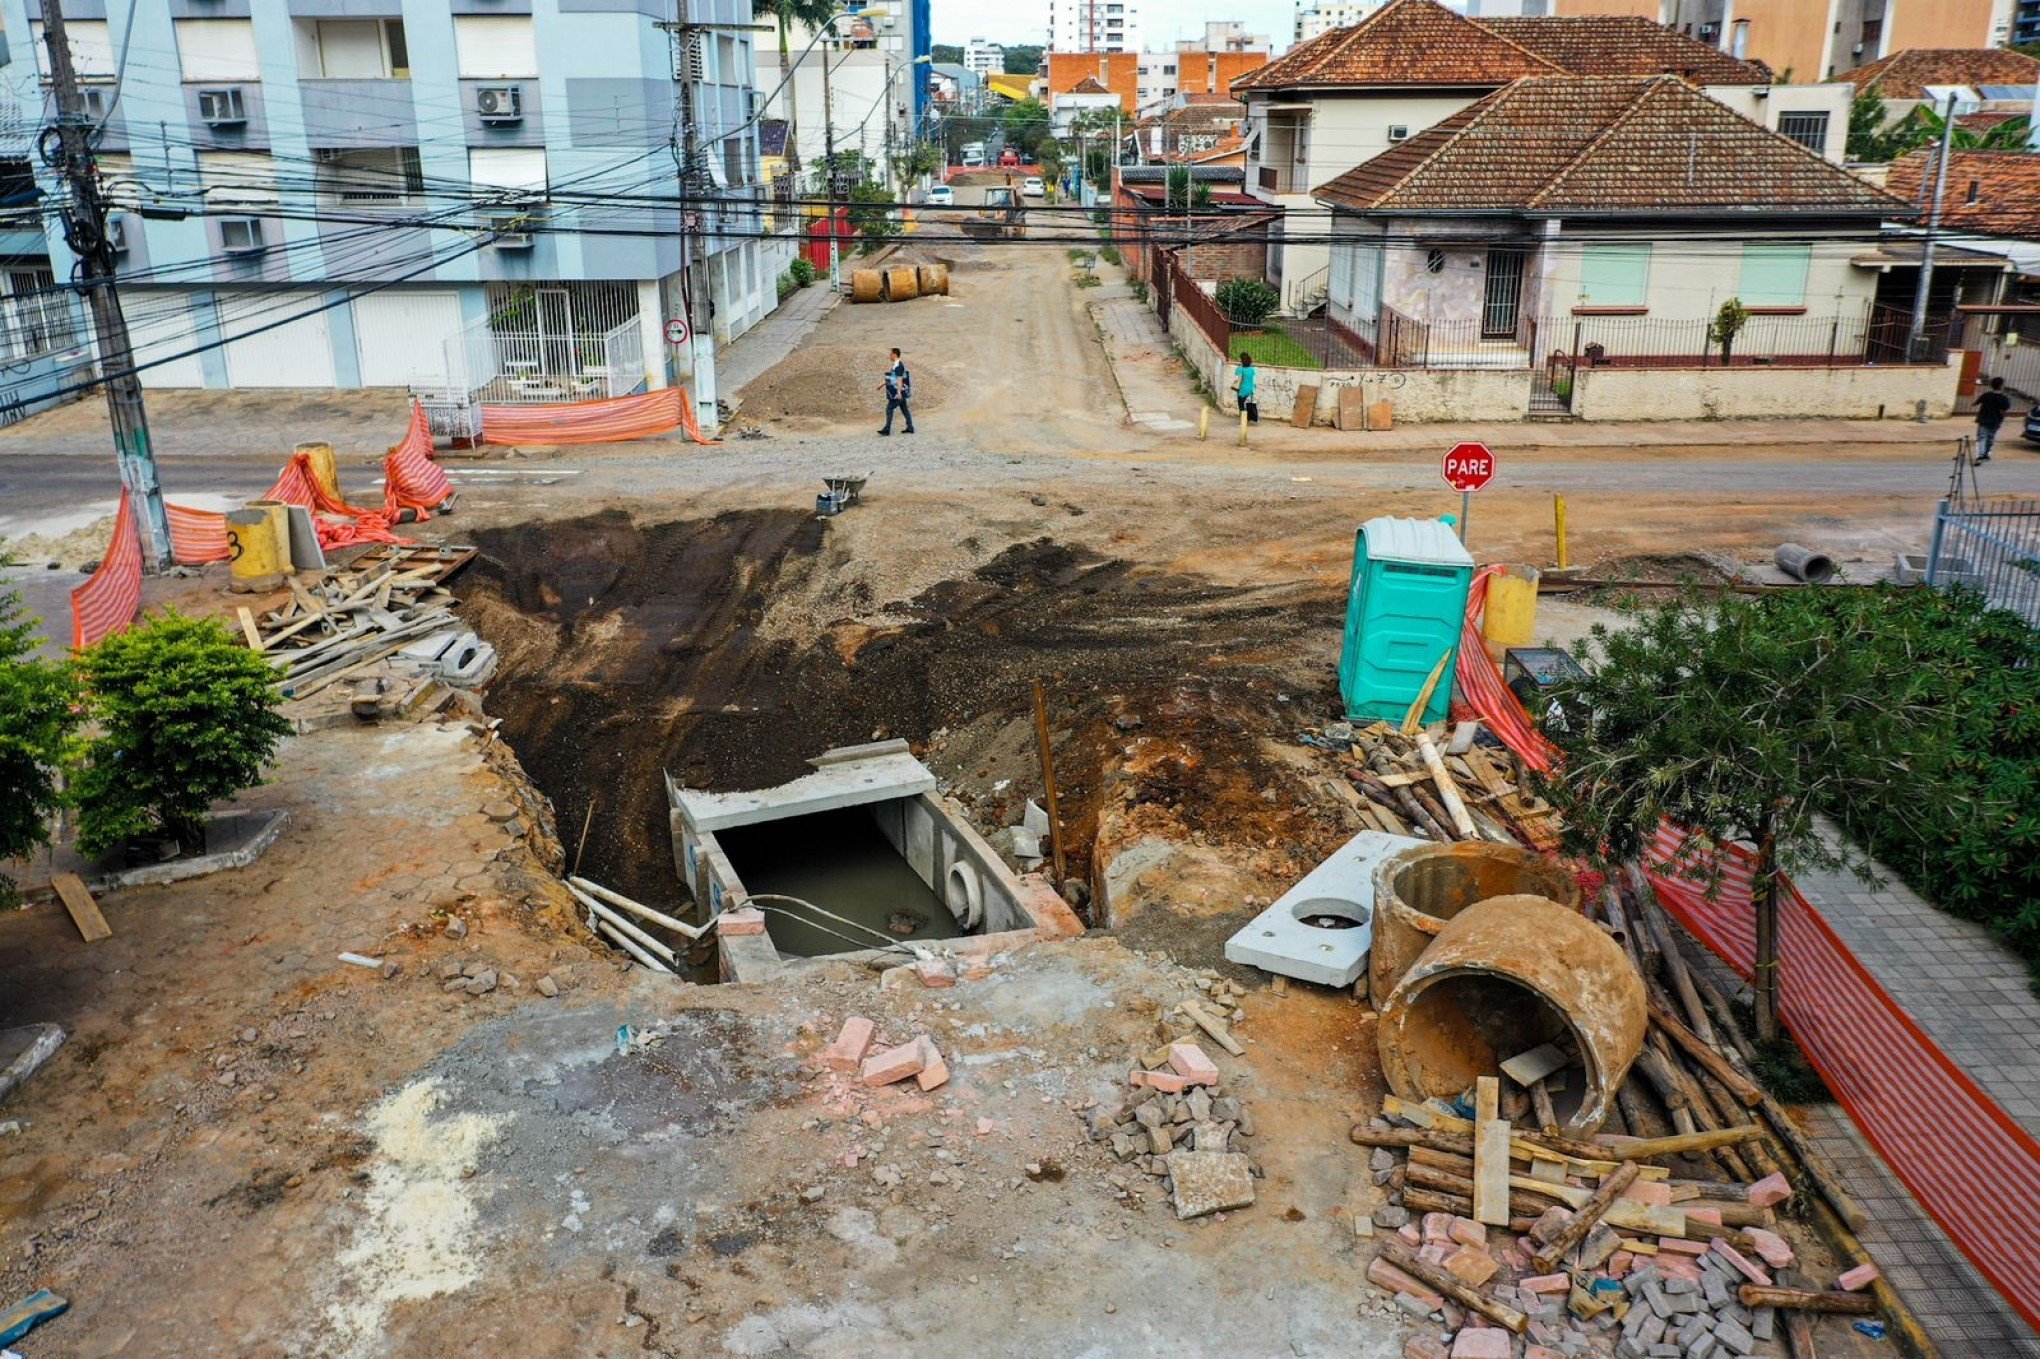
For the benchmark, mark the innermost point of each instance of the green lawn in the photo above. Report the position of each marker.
(1274, 348)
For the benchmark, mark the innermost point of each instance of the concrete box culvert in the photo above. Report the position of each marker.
(1503, 976)
(1419, 889)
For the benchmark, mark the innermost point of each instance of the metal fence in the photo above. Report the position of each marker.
(1990, 545)
(550, 343)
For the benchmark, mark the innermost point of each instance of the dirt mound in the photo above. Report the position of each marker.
(835, 384)
(635, 649)
(71, 551)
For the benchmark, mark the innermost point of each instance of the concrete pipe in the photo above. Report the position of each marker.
(1504, 976)
(867, 285)
(934, 280)
(1803, 563)
(1418, 890)
(902, 284)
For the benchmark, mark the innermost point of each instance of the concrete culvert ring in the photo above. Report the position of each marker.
(1417, 891)
(1502, 977)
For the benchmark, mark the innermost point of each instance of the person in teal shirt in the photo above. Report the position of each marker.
(1246, 381)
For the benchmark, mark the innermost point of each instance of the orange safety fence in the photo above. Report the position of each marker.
(611, 420)
(411, 480)
(112, 595)
(1972, 1169)
(198, 536)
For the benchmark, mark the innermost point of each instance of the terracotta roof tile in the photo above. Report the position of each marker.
(2005, 186)
(1905, 75)
(1405, 42)
(1565, 145)
(1619, 45)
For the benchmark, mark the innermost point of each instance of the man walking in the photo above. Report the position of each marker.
(899, 390)
(1246, 383)
(1991, 409)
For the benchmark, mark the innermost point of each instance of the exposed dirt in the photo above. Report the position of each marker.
(824, 384)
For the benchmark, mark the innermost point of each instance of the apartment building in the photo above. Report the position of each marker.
(43, 331)
(1314, 21)
(863, 86)
(1816, 39)
(348, 193)
(984, 58)
(1093, 26)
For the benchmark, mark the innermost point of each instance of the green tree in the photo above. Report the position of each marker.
(187, 716)
(785, 15)
(1023, 60)
(38, 714)
(1026, 125)
(1868, 140)
(946, 54)
(1726, 325)
(1736, 720)
(1185, 193)
(871, 213)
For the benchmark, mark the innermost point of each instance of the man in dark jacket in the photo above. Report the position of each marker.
(899, 390)
(1991, 409)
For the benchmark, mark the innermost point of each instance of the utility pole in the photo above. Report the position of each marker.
(85, 233)
(695, 188)
(1917, 336)
(829, 160)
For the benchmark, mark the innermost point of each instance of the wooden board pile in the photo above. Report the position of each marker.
(1410, 782)
(355, 615)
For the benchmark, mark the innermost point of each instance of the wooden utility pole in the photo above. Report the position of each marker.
(85, 233)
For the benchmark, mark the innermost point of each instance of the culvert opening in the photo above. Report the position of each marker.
(842, 863)
(1465, 1025)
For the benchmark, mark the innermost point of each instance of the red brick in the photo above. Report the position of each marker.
(1679, 1246)
(1655, 1192)
(1425, 1347)
(1774, 1249)
(934, 1071)
(1862, 1276)
(1483, 1342)
(1755, 1273)
(1771, 1190)
(847, 1052)
(1437, 1252)
(1189, 1061)
(1470, 1266)
(1710, 1216)
(1408, 1232)
(1618, 1264)
(934, 973)
(1437, 1226)
(1547, 1283)
(1389, 1279)
(1168, 1082)
(894, 1064)
(1467, 1232)
(750, 920)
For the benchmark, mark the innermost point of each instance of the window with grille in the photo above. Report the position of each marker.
(1810, 130)
(370, 175)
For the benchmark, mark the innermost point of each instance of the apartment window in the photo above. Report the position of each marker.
(1614, 275)
(1810, 130)
(238, 179)
(367, 176)
(353, 49)
(217, 49)
(241, 235)
(1774, 275)
(495, 46)
(91, 47)
(224, 106)
(35, 318)
(507, 172)
(735, 166)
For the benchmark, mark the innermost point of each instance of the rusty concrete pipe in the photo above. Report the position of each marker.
(1418, 890)
(1503, 976)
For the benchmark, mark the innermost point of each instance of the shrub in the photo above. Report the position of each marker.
(803, 272)
(1140, 290)
(38, 714)
(1109, 253)
(1247, 301)
(787, 286)
(187, 716)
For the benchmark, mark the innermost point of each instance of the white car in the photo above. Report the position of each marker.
(942, 196)
(1032, 187)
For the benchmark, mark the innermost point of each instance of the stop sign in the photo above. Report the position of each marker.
(1468, 467)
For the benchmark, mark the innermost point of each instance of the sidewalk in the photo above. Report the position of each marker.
(758, 349)
(1153, 382)
(1972, 997)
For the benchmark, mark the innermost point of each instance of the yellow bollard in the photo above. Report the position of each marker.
(325, 467)
(1204, 422)
(1510, 618)
(259, 546)
(1558, 518)
(1243, 429)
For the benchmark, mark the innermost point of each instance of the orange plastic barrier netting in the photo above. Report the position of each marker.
(198, 536)
(611, 420)
(411, 480)
(111, 597)
(1899, 1088)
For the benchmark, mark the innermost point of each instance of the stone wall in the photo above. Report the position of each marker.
(1863, 393)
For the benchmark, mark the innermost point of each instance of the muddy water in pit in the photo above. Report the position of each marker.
(631, 648)
(841, 863)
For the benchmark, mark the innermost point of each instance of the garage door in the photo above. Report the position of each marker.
(162, 323)
(298, 353)
(402, 336)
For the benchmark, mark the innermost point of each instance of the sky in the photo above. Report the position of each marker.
(1162, 21)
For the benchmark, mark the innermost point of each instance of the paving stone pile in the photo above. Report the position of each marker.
(1178, 1125)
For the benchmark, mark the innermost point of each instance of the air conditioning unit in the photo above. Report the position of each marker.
(226, 107)
(94, 100)
(242, 236)
(116, 235)
(500, 104)
(509, 230)
(1398, 132)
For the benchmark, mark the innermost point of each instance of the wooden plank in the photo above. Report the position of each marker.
(249, 632)
(1590, 1213)
(1490, 1154)
(1305, 409)
(1623, 1213)
(70, 889)
(1211, 1025)
(1528, 1068)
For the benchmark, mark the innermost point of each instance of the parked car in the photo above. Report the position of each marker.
(1032, 187)
(942, 196)
(2033, 425)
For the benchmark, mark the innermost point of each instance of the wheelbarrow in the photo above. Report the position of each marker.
(842, 491)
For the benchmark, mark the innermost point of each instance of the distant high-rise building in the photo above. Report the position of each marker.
(1316, 20)
(2026, 23)
(1227, 35)
(1807, 43)
(984, 58)
(1093, 26)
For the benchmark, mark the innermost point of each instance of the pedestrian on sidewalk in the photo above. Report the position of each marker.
(899, 390)
(1246, 382)
(1991, 409)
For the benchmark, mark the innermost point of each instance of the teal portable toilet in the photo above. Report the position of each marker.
(1405, 610)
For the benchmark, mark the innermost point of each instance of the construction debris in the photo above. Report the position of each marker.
(1405, 786)
(1180, 1126)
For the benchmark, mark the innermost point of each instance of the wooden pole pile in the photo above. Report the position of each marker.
(353, 616)
(1404, 782)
